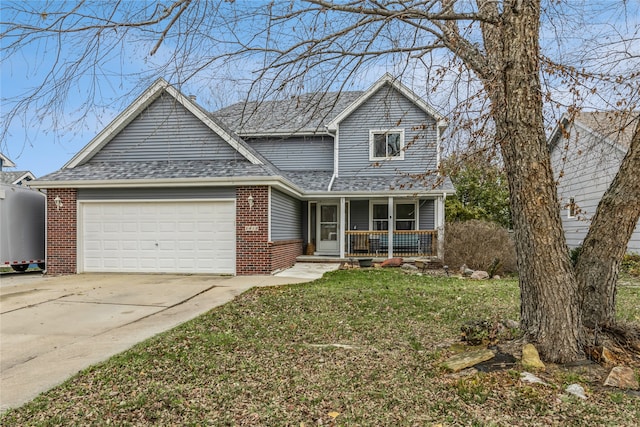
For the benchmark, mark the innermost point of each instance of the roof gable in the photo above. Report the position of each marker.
(6, 162)
(151, 95)
(387, 79)
(16, 177)
(614, 128)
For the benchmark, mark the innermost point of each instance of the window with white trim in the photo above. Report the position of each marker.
(386, 144)
(405, 216)
(380, 218)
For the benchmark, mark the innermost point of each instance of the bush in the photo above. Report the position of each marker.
(631, 264)
(478, 244)
(574, 254)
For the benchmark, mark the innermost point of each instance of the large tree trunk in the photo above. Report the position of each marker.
(603, 248)
(550, 315)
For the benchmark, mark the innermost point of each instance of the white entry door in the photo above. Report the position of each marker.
(158, 237)
(328, 228)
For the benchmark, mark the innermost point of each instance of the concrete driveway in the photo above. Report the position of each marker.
(53, 327)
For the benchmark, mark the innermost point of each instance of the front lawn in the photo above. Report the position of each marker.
(354, 348)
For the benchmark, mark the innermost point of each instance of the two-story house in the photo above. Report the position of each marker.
(170, 187)
(586, 153)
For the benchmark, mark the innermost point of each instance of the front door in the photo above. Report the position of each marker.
(328, 226)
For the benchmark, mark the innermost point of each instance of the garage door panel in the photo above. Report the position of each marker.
(184, 237)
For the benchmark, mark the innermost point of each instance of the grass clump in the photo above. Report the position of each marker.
(354, 348)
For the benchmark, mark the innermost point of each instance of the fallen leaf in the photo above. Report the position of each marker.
(334, 414)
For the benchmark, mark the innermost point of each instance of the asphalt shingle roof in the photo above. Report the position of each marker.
(309, 181)
(102, 171)
(617, 127)
(303, 113)
(11, 176)
(392, 183)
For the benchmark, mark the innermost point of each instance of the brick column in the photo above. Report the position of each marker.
(253, 254)
(62, 229)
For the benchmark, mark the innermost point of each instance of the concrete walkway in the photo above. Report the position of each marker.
(53, 327)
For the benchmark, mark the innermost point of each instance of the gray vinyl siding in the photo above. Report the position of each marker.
(297, 153)
(170, 193)
(587, 166)
(286, 217)
(165, 130)
(427, 215)
(359, 215)
(387, 109)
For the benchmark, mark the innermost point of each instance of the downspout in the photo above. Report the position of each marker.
(333, 177)
(336, 160)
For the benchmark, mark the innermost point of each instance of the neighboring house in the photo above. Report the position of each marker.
(16, 177)
(13, 177)
(5, 162)
(586, 154)
(170, 187)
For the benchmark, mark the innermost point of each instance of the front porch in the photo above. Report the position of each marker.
(391, 243)
(408, 227)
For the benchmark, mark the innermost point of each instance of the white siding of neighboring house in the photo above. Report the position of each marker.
(387, 109)
(165, 130)
(588, 166)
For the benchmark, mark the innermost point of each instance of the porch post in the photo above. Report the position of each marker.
(440, 225)
(341, 229)
(391, 227)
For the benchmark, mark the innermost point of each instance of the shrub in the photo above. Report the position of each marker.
(574, 254)
(631, 264)
(478, 244)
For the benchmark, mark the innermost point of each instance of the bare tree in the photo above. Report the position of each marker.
(492, 46)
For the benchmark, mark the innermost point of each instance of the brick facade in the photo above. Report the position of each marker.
(254, 253)
(61, 231)
(284, 253)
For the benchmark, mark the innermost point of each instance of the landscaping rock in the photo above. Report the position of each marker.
(391, 262)
(530, 357)
(528, 377)
(468, 359)
(466, 271)
(576, 390)
(463, 373)
(511, 324)
(622, 377)
(480, 275)
(409, 267)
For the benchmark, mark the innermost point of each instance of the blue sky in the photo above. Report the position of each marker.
(42, 141)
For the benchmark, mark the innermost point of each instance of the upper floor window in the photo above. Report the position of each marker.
(386, 144)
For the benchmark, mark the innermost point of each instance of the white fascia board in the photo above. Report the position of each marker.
(6, 162)
(23, 176)
(364, 194)
(211, 124)
(284, 133)
(396, 84)
(117, 124)
(277, 182)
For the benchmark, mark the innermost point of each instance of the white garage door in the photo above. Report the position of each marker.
(152, 237)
